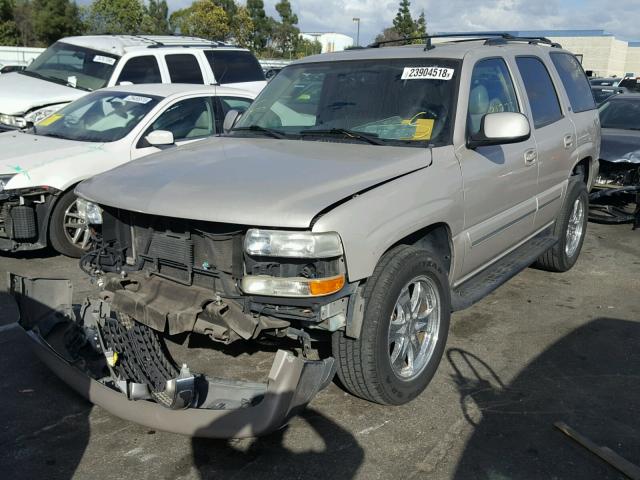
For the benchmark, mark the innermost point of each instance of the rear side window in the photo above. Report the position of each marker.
(543, 99)
(631, 84)
(184, 68)
(234, 66)
(141, 70)
(575, 81)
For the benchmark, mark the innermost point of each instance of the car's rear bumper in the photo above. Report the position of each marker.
(292, 382)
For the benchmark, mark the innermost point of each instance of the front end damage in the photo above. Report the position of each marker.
(615, 197)
(24, 218)
(103, 359)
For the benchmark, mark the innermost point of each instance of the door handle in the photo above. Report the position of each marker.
(530, 157)
(568, 141)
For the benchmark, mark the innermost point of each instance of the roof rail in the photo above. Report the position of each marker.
(491, 38)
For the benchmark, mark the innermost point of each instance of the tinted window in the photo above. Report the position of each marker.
(621, 112)
(632, 84)
(141, 70)
(184, 68)
(191, 118)
(491, 91)
(575, 81)
(543, 99)
(234, 66)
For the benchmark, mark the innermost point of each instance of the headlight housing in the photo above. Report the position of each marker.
(13, 121)
(276, 243)
(89, 212)
(37, 116)
(4, 179)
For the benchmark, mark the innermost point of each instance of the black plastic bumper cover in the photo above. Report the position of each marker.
(292, 383)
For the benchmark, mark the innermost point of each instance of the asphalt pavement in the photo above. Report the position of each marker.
(543, 348)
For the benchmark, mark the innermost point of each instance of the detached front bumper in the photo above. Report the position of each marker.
(292, 382)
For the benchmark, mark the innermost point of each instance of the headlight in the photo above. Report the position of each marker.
(89, 212)
(274, 243)
(13, 121)
(4, 179)
(38, 115)
(291, 287)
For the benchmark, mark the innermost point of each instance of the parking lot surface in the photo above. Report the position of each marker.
(543, 348)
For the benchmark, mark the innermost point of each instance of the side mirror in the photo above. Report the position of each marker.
(499, 129)
(230, 119)
(160, 138)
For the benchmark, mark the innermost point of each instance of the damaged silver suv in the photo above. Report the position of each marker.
(361, 199)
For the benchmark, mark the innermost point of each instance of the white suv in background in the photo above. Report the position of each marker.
(74, 66)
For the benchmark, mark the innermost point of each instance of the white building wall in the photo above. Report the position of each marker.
(632, 64)
(331, 42)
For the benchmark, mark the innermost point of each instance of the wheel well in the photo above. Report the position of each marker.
(436, 237)
(55, 205)
(583, 167)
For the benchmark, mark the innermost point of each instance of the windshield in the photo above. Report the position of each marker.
(620, 113)
(394, 101)
(601, 94)
(100, 117)
(73, 66)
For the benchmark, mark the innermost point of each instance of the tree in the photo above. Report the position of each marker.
(9, 34)
(54, 19)
(242, 27)
(202, 19)
(403, 24)
(421, 26)
(306, 47)
(157, 18)
(23, 17)
(261, 25)
(286, 34)
(116, 16)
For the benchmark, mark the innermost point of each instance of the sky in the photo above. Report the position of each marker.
(620, 17)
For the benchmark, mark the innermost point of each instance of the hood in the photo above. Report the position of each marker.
(38, 160)
(21, 93)
(620, 146)
(248, 181)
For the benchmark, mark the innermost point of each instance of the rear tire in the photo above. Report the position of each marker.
(61, 233)
(375, 366)
(570, 229)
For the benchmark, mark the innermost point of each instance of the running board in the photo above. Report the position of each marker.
(485, 282)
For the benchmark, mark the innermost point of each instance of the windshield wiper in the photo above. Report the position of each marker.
(257, 128)
(372, 139)
(30, 73)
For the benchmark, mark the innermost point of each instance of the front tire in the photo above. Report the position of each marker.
(404, 331)
(68, 233)
(570, 229)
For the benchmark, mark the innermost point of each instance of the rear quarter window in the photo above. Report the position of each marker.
(574, 81)
(184, 68)
(631, 84)
(234, 66)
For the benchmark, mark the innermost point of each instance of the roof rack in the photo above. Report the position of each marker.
(490, 38)
(166, 41)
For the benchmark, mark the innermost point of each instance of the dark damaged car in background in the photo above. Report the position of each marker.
(616, 194)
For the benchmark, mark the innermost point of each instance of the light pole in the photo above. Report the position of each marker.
(357, 20)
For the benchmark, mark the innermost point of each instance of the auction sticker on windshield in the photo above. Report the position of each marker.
(103, 59)
(137, 99)
(427, 73)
